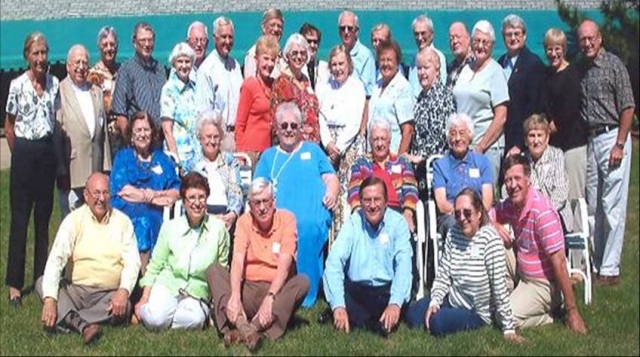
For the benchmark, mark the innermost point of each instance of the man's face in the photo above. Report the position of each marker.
(373, 203)
(78, 66)
(262, 207)
(144, 43)
(224, 40)
(198, 41)
(459, 40)
(380, 142)
(514, 39)
(289, 130)
(273, 27)
(314, 43)
(378, 36)
(590, 40)
(517, 185)
(349, 30)
(97, 195)
(422, 35)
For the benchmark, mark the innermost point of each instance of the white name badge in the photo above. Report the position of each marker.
(396, 169)
(157, 169)
(384, 238)
(305, 156)
(474, 173)
(475, 252)
(275, 248)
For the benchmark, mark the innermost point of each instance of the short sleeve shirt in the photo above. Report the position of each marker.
(34, 116)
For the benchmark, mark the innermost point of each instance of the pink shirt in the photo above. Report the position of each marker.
(538, 233)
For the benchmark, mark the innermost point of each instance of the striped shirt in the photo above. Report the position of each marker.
(473, 273)
(538, 233)
(138, 88)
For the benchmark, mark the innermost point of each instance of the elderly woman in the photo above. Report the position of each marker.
(29, 125)
(548, 171)
(342, 99)
(395, 171)
(392, 98)
(471, 283)
(178, 109)
(482, 93)
(561, 99)
(143, 181)
(103, 74)
(306, 185)
(460, 168)
(221, 169)
(175, 291)
(254, 118)
(293, 86)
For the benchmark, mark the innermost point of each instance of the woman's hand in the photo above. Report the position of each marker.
(143, 301)
(513, 151)
(265, 312)
(432, 310)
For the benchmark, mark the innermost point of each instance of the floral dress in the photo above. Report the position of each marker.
(285, 89)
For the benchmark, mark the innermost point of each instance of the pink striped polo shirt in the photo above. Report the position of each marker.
(538, 233)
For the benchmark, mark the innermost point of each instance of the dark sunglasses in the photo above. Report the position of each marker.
(466, 212)
(350, 28)
(285, 126)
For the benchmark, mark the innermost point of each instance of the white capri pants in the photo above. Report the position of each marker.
(180, 312)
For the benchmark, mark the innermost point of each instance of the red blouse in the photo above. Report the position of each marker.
(286, 90)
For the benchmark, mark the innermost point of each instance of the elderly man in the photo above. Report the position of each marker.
(198, 39)
(381, 33)
(541, 272)
(459, 42)
(272, 24)
(84, 127)
(423, 33)
(525, 73)
(140, 80)
(316, 70)
(262, 291)
(219, 80)
(98, 247)
(368, 275)
(607, 106)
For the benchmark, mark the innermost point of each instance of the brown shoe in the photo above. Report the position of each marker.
(91, 333)
(232, 336)
(607, 280)
(253, 341)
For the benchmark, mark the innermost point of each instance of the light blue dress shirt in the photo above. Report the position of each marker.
(372, 257)
(364, 66)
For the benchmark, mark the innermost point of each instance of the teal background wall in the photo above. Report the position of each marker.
(171, 29)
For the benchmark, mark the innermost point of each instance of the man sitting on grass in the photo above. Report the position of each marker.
(97, 246)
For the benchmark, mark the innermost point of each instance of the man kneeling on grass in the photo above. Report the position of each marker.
(262, 291)
(98, 247)
(368, 279)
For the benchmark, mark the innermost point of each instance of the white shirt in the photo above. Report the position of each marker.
(342, 106)
(83, 96)
(218, 86)
(510, 62)
(218, 194)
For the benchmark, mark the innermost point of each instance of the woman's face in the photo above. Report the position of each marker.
(183, 65)
(467, 216)
(195, 204)
(297, 57)
(141, 135)
(459, 140)
(210, 139)
(388, 64)
(289, 131)
(555, 55)
(339, 67)
(482, 46)
(537, 141)
(265, 62)
(380, 140)
(37, 57)
(108, 49)
(427, 73)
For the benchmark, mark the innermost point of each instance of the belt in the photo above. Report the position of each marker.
(231, 128)
(601, 129)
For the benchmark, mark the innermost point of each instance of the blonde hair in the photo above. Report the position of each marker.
(555, 36)
(338, 50)
(536, 121)
(267, 44)
(30, 40)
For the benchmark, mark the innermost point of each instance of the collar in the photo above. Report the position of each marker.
(395, 80)
(356, 48)
(75, 87)
(149, 65)
(532, 195)
(600, 58)
(181, 85)
(453, 161)
(105, 220)
(368, 225)
(186, 228)
(275, 225)
(219, 161)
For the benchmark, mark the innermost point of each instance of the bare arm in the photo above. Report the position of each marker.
(407, 134)
(574, 320)
(122, 122)
(487, 196)
(495, 128)
(167, 129)
(444, 206)
(365, 118)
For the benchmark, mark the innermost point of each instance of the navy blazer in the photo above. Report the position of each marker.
(525, 84)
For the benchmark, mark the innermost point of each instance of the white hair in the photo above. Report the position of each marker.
(182, 49)
(513, 20)
(379, 123)
(196, 24)
(104, 32)
(429, 55)
(75, 48)
(347, 12)
(296, 39)
(484, 26)
(258, 185)
(457, 119)
(288, 107)
(209, 117)
(425, 19)
(221, 21)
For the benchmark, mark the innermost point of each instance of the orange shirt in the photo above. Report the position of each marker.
(262, 250)
(253, 121)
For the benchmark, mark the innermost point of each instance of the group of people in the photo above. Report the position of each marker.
(339, 152)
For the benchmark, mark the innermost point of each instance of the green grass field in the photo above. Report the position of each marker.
(612, 320)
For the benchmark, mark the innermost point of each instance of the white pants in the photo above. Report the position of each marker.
(164, 310)
(607, 191)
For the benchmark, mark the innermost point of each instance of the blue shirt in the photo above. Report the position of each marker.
(364, 66)
(473, 171)
(371, 257)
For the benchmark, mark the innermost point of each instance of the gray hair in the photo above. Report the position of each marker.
(513, 20)
(260, 184)
(379, 123)
(196, 24)
(221, 21)
(142, 25)
(288, 107)
(75, 48)
(296, 39)
(381, 26)
(182, 49)
(457, 119)
(272, 13)
(104, 32)
(429, 55)
(422, 18)
(484, 26)
(347, 12)
(209, 117)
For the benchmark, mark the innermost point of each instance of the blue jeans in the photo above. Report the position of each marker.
(447, 320)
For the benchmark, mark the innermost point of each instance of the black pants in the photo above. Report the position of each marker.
(365, 304)
(33, 169)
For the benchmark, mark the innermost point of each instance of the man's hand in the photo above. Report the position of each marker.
(414, 159)
(341, 319)
(122, 123)
(575, 322)
(49, 313)
(513, 151)
(265, 312)
(118, 303)
(234, 309)
(615, 157)
(408, 215)
(432, 310)
(390, 317)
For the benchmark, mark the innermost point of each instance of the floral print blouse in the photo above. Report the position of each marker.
(285, 89)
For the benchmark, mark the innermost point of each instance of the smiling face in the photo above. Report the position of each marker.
(198, 41)
(144, 43)
(289, 131)
(262, 208)
(97, 195)
(374, 203)
(183, 65)
(78, 66)
(378, 36)
(459, 40)
(459, 140)
(380, 141)
(195, 204)
(339, 67)
(555, 55)
(482, 46)
(422, 34)
(590, 40)
(467, 217)
(537, 140)
(388, 64)
(141, 135)
(210, 139)
(297, 57)
(428, 73)
(224, 39)
(514, 39)
(314, 42)
(37, 57)
(273, 27)
(108, 49)
(349, 30)
(265, 63)
(517, 183)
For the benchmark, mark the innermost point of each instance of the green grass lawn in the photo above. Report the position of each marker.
(612, 320)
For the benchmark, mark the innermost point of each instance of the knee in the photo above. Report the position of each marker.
(189, 317)
(155, 318)
(416, 313)
(437, 326)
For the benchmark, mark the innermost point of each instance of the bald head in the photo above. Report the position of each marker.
(590, 39)
(97, 195)
(78, 64)
(459, 40)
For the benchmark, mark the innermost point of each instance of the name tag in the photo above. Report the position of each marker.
(157, 169)
(275, 248)
(396, 169)
(305, 156)
(475, 252)
(384, 238)
(474, 173)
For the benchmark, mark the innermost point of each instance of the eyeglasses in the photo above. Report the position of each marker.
(97, 194)
(481, 42)
(194, 199)
(346, 28)
(144, 40)
(298, 53)
(371, 200)
(265, 201)
(312, 41)
(589, 39)
(199, 41)
(285, 126)
(516, 34)
(141, 130)
(466, 212)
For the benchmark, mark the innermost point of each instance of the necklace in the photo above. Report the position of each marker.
(274, 178)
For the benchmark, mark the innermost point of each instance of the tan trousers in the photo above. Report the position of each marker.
(287, 300)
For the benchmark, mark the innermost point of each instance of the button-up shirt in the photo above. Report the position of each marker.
(34, 115)
(455, 67)
(183, 254)
(364, 66)
(218, 86)
(413, 72)
(370, 256)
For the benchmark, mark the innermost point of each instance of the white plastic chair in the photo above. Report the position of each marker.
(172, 212)
(246, 175)
(421, 248)
(578, 242)
(437, 241)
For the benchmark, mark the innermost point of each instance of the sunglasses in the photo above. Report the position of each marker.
(285, 126)
(466, 212)
(348, 28)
